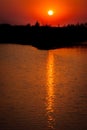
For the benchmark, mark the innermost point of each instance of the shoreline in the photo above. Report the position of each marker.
(44, 37)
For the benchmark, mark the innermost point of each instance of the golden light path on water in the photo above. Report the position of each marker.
(50, 91)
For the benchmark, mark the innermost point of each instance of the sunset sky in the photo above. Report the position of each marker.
(30, 11)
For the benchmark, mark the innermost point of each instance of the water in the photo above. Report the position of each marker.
(43, 90)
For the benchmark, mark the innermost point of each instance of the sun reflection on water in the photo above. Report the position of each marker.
(50, 91)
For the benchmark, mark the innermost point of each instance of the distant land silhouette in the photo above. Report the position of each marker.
(44, 37)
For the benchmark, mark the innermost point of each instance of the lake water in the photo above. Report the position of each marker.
(43, 90)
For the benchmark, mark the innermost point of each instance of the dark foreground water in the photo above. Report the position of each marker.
(43, 90)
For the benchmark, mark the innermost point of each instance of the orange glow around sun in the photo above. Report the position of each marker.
(45, 12)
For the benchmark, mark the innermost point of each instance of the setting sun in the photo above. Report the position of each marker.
(50, 12)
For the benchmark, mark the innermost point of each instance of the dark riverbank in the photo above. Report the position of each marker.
(44, 37)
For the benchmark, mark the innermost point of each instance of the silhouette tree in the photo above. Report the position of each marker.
(37, 24)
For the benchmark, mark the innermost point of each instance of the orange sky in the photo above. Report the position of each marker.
(30, 11)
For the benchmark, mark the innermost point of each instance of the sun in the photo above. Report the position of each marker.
(50, 12)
